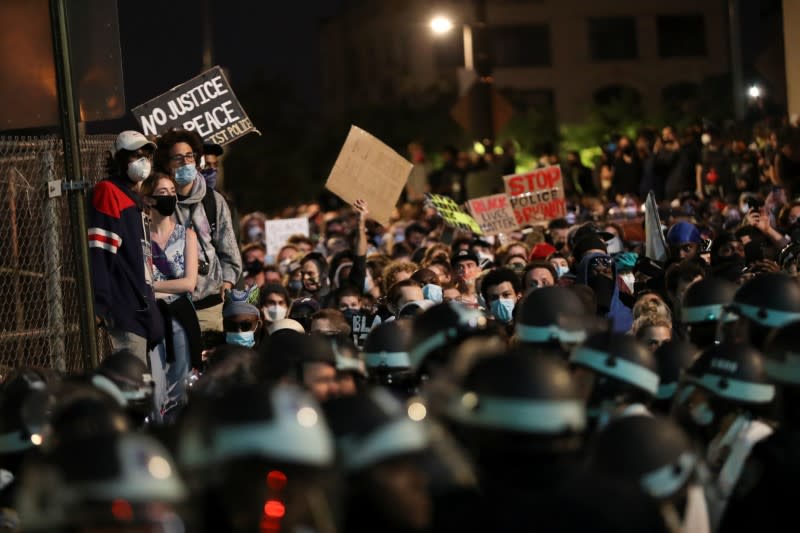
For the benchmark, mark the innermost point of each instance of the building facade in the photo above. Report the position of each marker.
(565, 55)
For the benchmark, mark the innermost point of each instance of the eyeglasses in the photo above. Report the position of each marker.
(180, 158)
(245, 325)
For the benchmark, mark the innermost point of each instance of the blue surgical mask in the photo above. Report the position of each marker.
(561, 270)
(295, 285)
(503, 309)
(433, 292)
(185, 175)
(210, 175)
(242, 338)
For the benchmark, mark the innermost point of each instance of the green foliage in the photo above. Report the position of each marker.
(534, 130)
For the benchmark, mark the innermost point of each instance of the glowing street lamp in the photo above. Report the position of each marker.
(441, 25)
(754, 92)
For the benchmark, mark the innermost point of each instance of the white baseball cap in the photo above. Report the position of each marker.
(132, 141)
(285, 323)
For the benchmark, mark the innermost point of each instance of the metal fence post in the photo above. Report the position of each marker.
(67, 105)
(52, 271)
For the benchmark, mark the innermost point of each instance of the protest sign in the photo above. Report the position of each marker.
(537, 196)
(369, 170)
(205, 104)
(277, 232)
(452, 214)
(494, 214)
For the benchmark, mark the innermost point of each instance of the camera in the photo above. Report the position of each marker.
(203, 268)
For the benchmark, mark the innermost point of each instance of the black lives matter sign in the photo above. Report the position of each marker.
(205, 104)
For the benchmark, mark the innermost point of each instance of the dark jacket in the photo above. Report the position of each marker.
(121, 272)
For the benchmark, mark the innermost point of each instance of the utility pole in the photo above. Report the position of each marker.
(481, 105)
(75, 184)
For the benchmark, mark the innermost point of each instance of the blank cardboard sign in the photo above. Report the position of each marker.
(369, 170)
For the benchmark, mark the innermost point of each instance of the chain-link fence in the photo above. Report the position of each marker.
(39, 306)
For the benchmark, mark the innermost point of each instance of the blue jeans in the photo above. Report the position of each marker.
(176, 372)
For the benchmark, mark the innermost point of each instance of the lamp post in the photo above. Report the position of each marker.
(477, 59)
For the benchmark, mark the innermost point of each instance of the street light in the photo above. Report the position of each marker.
(476, 76)
(754, 92)
(441, 25)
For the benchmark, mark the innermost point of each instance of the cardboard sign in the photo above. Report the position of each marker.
(494, 214)
(369, 170)
(205, 104)
(452, 214)
(537, 196)
(277, 232)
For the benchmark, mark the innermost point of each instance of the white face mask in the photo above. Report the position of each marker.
(139, 170)
(274, 312)
(614, 246)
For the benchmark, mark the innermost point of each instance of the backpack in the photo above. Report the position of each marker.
(210, 207)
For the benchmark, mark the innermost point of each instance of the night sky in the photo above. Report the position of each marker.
(162, 46)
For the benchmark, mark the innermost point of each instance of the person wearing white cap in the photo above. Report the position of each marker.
(119, 250)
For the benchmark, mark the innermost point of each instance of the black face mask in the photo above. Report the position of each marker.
(627, 149)
(254, 267)
(165, 204)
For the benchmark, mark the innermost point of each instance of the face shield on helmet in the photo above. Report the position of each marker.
(614, 372)
(124, 482)
(229, 445)
(763, 304)
(728, 378)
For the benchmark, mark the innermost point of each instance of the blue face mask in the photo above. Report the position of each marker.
(210, 175)
(242, 338)
(503, 309)
(295, 285)
(561, 270)
(433, 293)
(185, 175)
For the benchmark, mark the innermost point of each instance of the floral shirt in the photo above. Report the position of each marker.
(172, 256)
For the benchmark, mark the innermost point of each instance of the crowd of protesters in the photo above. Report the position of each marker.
(593, 373)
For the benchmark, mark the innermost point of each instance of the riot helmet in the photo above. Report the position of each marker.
(614, 371)
(766, 302)
(672, 358)
(551, 318)
(378, 438)
(726, 378)
(439, 330)
(103, 482)
(229, 445)
(131, 377)
(650, 451)
(387, 356)
(704, 306)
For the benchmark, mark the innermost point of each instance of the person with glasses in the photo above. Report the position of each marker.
(207, 213)
(122, 276)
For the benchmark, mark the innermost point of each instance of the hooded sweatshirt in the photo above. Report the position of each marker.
(221, 251)
(607, 292)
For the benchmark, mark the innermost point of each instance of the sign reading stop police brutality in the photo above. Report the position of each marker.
(537, 196)
(205, 104)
